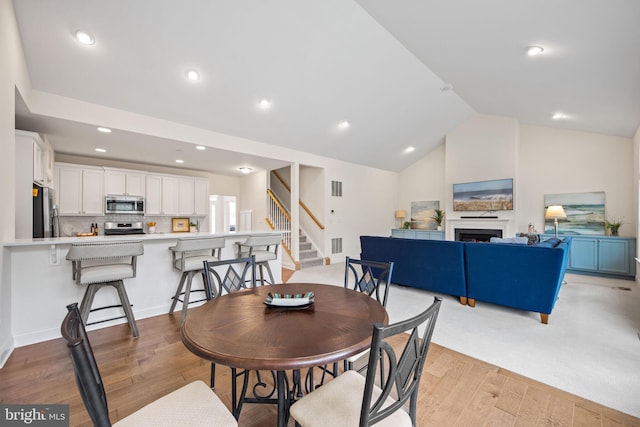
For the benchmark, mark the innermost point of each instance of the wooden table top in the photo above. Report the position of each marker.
(239, 330)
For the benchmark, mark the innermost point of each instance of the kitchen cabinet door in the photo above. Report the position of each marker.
(92, 192)
(201, 196)
(120, 182)
(186, 196)
(153, 195)
(170, 186)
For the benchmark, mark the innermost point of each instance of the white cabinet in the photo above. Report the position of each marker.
(193, 196)
(153, 195)
(80, 190)
(40, 160)
(170, 188)
(121, 182)
(201, 196)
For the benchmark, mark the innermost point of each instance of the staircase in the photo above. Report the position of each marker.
(308, 255)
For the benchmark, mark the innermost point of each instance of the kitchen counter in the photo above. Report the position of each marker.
(41, 283)
(102, 238)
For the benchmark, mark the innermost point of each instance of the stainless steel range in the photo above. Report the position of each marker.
(120, 228)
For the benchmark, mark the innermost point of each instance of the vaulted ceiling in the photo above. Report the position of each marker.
(402, 73)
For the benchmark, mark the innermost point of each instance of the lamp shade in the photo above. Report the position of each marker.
(555, 211)
(401, 214)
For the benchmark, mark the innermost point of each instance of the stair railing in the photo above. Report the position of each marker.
(279, 220)
(302, 205)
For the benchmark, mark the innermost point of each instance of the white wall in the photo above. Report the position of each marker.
(254, 198)
(565, 161)
(541, 160)
(13, 76)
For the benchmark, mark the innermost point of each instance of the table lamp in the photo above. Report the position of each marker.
(554, 212)
(401, 215)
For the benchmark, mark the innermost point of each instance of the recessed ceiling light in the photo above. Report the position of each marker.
(409, 149)
(200, 147)
(104, 130)
(534, 50)
(264, 104)
(245, 169)
(193, 75)
(101, 150)
(84, 38)
(179, 161)
(559, 116)
(344, 124)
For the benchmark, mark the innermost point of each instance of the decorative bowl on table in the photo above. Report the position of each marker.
(289, 300)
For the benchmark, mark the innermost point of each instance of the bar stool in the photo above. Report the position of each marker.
(264, 247)
(188, 257)
(97, 265)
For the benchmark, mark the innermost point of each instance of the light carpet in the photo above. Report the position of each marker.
(590, 348)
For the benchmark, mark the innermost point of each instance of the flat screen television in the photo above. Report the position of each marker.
(494, 195)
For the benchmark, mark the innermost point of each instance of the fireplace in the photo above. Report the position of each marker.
(476, 234)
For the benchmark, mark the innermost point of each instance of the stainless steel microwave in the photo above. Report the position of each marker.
(124, 205)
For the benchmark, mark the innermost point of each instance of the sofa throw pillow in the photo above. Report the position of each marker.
(549, 243)
(512, 240)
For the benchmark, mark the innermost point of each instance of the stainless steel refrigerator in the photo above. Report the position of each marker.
(45, 213)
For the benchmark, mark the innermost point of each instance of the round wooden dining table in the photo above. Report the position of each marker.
(239, 330)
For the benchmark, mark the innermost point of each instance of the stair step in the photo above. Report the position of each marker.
(311, 262)
(306, 254)
(305, 246)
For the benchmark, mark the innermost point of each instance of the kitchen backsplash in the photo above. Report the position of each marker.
(70, 225)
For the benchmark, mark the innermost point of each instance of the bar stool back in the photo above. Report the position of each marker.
(188, 257)
(101, 264)
(264, 247)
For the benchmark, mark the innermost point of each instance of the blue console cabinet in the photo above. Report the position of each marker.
(607, 255)
(417, 234)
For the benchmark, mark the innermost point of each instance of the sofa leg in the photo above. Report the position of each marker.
(463, 300)
(472, 302)
(544, 318)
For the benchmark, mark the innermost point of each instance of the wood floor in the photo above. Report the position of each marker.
(456, 390)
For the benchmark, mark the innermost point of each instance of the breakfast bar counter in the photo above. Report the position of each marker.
(42, 285)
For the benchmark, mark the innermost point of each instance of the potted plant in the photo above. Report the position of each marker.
(193, 227)
(152, 227)
(438, 217)
(406, 225)
(613, 225)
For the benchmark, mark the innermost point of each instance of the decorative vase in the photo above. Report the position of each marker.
(192, 228)
(152, 230)
(439, 228)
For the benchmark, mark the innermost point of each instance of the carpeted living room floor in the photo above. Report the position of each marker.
(591, 346)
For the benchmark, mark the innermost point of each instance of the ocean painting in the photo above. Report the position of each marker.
(585, 213)
(496, 195)
(421, 213)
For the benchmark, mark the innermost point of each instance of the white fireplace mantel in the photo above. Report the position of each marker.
(477, 223)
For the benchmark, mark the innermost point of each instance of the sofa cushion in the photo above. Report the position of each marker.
(549, 243)
(512, 240)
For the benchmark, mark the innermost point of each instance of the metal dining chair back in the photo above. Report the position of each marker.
(370, 277)
(170, 410)
(352, 399)
(230, 275)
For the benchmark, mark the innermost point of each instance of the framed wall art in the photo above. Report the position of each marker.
(585, 213)
(179, 225)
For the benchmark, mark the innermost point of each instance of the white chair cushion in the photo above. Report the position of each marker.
(339, 402)
(194, 262)
(105, 273)
(261, 255)
(192, 405)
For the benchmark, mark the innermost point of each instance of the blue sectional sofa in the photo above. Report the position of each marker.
(526, 277)
(519, 276)
(433, 265)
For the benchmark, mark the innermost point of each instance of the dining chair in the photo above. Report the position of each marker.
(188, 256)
(194, 404)
(265, 249)
(353, 399)
(100, 264)
(372, 278)
(224, 277)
